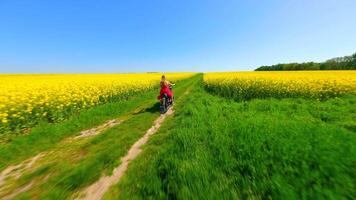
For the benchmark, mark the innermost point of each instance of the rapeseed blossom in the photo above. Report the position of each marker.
(282, 84)
(27, 99)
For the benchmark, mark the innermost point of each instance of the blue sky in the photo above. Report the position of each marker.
(90, 36)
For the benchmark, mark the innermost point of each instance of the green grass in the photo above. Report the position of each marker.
(212, 148)
(215, 148)
(99, 155)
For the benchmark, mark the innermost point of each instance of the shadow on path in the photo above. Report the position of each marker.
(152, 109)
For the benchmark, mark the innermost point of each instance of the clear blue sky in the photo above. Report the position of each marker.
(50, 36)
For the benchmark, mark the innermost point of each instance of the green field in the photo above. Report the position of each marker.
(211, 148)
(216, 148)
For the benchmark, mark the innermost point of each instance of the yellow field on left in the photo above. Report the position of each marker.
(27, 99)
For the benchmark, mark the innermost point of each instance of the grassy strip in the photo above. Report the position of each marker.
(46, 135)
(215, 148)
(102, 154)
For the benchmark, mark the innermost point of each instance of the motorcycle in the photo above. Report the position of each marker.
(166, 102)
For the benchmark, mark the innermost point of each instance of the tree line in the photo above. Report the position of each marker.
(339, 63)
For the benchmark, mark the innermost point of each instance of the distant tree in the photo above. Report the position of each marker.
(339, 63)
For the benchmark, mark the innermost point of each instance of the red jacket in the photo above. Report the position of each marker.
(165, 90)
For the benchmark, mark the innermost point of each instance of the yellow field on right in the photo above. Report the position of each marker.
(282, 84)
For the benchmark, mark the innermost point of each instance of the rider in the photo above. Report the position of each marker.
(167, 83)
(165, 88)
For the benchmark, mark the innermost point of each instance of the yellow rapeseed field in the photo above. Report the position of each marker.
(27, 99)
(309, 84)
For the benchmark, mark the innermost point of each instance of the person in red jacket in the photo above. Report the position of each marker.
(165, 88)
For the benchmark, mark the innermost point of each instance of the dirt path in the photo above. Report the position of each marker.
(18, 191)
(98, 189)
(17, 170)
(99, 129)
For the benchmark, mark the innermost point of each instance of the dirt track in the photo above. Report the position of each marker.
(16, 171)
(97, 190)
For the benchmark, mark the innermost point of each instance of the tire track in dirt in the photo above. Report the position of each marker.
(18, 191)
(99, 129)
(17, 170)
(97, 190)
